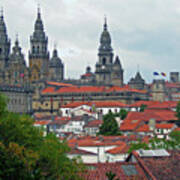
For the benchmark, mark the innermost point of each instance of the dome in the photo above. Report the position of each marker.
(55, 60)
(105, 40)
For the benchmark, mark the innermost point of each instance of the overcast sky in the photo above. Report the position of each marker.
(143, 32)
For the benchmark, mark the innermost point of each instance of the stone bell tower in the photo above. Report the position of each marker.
(38, 54)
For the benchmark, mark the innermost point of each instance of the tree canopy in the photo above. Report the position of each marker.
(26, 154)
(109, 126)
(178, 113)
(142, 107)
(155, 143)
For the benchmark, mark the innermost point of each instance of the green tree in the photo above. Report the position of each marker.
(109, 126)
(142, 107)
(26, 154)
(123, 113)
(178, 113)
(138, 145)
(111, 176)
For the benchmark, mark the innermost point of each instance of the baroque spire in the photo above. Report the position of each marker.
(2, 23)
(39, 40)
(105, 39)
(4, 41)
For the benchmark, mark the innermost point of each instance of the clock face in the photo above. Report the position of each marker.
(103, 67)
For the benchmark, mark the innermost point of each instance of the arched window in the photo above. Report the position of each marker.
(33, 49)
(38, 49)
(104, 61)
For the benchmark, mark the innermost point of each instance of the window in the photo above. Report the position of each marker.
(38, 49)
(0, 50)
(33, 49)
(104, 61)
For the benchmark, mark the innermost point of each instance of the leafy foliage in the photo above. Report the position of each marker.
(111, 176)
(26, 154)
(138, 145)
(142, 107)
(109, 126)
(178, 113)
(155, 143)
(122, 114)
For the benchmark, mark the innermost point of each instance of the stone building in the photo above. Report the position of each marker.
(107, 71)
(13, 68)
(54, 95)
(88, 77)
(138, 82)
(158, 90)
(174, 77)
(19, 98)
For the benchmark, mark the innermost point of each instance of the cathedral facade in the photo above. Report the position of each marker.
(13, 68)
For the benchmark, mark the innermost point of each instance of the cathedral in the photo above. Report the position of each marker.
(42, 67)
(13, 68)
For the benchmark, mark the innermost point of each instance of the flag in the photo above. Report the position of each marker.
(163, 74)
(155, 73)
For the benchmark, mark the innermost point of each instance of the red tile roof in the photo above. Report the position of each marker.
(87, 75)
(82, 89)
(158, 115)
(120, 149)
(61, 118)
(130, 125)
(177, 129)
(94, 123)
(96, 104)
(164, 126)
(163, 105)
(161, 168)
(98, 171)
(172, 85)
(59, 84)
(139, 103)
(42, 122)
(143, 128)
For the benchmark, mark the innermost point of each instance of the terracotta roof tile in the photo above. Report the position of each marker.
(120, 149)
(123, 171)
(42, 122)
(158, 115)
(65, 88)
(164, 126)
(130, 125)
(94, 123)
(59, 84)
(96, 104)
(143, 128)
(162, 168)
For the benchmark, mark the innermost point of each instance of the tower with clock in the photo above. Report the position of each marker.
(105, 66)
